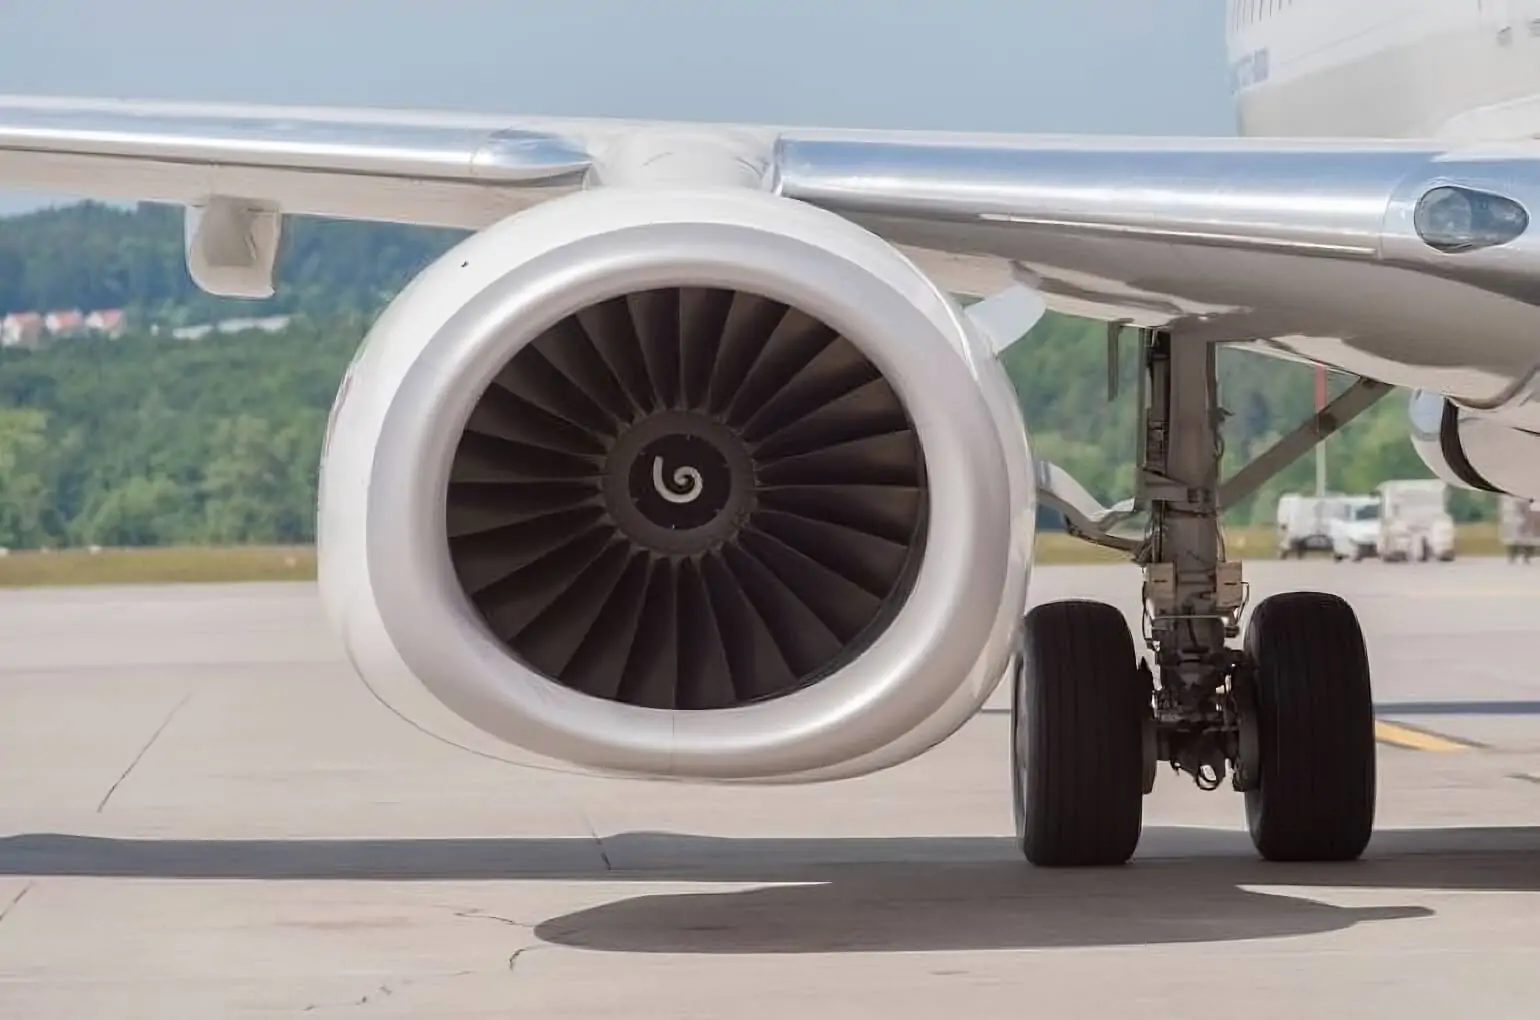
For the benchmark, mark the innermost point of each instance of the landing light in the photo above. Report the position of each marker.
(1453, 219)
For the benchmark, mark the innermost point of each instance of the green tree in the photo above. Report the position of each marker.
(260, 484)
(24, 495)
(141, 511)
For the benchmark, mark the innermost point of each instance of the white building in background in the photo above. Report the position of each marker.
(21, 329)
(28, 329)
(268, 324)
(64, 323)
(107, 321)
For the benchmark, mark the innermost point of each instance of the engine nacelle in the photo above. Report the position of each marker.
(1473, 452)
(711, 485)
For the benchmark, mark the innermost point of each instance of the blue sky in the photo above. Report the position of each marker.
(1095, 66)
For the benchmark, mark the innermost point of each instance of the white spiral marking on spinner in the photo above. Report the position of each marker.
(686, 478)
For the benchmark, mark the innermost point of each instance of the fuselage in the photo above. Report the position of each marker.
(1385, 68)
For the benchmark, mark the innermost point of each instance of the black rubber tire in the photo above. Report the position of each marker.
(1077, 737)
(1315, 727)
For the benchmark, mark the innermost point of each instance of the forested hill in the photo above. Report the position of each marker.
(92, 256)
(149, 439)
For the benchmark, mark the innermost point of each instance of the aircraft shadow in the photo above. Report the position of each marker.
(856, 894)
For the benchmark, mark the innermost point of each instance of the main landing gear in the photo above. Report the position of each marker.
(1289, 715)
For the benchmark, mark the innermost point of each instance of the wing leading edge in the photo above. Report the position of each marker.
(401, 167)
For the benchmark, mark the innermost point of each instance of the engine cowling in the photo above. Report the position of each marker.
(699, 484)
(1471, 451)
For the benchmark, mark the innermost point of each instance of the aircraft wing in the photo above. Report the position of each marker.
(433, 169)
(1370, 256)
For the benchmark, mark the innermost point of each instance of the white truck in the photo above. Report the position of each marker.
(1518, 527)
(1305, 522)
(1356, 534)
(1415, 521)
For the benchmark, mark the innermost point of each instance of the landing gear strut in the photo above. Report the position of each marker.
(1288, 716)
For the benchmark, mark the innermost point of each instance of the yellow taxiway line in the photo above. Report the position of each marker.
(1398, 735)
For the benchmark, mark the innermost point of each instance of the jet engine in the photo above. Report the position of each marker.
(1474, 452)
(704, 484)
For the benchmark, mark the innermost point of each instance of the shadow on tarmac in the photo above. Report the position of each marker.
(856, 894)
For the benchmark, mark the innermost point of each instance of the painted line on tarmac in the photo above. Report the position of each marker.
(1414, 738)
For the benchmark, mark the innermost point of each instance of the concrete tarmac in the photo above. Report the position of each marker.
(204, 814)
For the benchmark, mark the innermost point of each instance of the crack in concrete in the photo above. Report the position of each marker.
(514, 959)
(144, 750)
(15, 900)
(598, 841)
(481, 915)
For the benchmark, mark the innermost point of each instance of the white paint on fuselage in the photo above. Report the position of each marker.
(1385, 68)
(1460, 70)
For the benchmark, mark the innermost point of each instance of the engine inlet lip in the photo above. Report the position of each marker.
(433, 626)
(679, 483)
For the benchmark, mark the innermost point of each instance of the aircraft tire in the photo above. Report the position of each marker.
(1078, 716)
(1315, 729)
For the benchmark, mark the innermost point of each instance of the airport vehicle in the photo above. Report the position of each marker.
(1518, 528)
(690, 464)
(1305, 522)
(1415, 523)
(1356, 535)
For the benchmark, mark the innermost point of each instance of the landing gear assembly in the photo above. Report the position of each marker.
(1288, 715)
